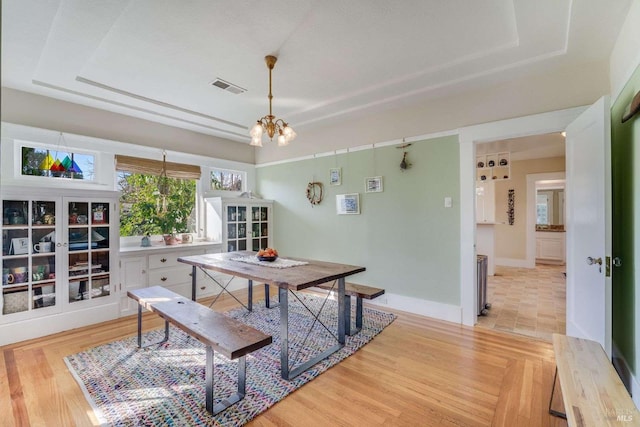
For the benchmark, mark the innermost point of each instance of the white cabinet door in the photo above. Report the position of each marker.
(133, 275)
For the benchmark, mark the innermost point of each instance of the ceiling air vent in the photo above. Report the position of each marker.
(229, 87)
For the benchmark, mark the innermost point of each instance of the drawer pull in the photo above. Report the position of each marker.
(164, 279)
(163, 260)
(202, 288)
(190, 274)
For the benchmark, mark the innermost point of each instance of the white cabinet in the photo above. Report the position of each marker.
(485, 202)
(142, 267)
(133, 275)
(550, 247)
(241, 224)
(59, 256)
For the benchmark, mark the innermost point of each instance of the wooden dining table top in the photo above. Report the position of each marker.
(292, 278)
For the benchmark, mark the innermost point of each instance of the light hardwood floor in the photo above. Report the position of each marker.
(417, 372)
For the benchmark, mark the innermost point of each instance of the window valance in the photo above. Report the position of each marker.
(154, 167)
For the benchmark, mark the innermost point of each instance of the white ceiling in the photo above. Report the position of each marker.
(155, 59)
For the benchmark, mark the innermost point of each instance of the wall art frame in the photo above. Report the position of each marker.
(348, 204)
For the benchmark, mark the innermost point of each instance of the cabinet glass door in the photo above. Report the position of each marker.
(236, 228)
(259, 227)
(88, 250)
(28, 255)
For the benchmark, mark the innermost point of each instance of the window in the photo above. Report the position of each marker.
(542, 209)
(227, 180)
(144, 211)
(57, 164)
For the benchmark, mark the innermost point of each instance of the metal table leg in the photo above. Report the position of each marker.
(286, 371)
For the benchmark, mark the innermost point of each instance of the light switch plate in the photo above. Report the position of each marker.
(447, 202)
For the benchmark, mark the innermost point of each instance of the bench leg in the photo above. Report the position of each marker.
(250, 295)
(267, 298)
(166, 331)
(553, 389)
(209, 383)
(347, 314)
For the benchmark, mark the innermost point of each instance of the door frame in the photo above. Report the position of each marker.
(555, 121)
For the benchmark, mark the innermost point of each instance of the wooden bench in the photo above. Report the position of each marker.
(359, 292)
(218, 332)
(592, 391)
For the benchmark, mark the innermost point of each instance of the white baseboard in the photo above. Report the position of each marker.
(512, 262)
(436, 310)
(33, 328)
(625, 372)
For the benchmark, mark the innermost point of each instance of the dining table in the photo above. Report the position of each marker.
(290, 274)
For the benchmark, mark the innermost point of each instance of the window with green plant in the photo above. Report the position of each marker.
(143, 210)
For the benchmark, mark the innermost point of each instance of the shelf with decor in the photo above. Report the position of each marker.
(493, 166)
(56, 250)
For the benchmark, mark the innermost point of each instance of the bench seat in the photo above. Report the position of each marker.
(592, 391)
(359, 292)
(218, 332)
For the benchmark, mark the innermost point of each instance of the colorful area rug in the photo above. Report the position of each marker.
(163, 385)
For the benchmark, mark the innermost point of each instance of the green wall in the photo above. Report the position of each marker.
(625, 156)
(404, 236)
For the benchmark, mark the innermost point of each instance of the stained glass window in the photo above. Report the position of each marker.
(57, 164)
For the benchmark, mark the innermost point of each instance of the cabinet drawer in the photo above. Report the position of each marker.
(169, 259)
(170, 276)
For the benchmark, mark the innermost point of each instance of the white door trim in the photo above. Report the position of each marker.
(531, 211)
(554, 121)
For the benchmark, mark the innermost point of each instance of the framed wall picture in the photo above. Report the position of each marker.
(335, 176)
(348, 204)
(373, 184)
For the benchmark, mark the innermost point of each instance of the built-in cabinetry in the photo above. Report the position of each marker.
(142, 267)
(58, 255)
(550, 247)
(485, 202)
(492, 167)
(241, 224)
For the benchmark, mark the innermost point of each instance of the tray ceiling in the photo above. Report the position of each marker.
(157, 59)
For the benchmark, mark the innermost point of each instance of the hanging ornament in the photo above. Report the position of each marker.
(404, 164)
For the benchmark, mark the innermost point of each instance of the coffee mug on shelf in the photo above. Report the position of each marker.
(42, 247)
(8, 279)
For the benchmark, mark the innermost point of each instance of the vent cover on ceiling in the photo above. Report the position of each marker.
(229, 87)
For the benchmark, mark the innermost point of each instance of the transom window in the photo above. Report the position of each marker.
(49, 163)
(227, 180)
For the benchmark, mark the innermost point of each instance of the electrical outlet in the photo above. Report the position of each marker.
(447, 202)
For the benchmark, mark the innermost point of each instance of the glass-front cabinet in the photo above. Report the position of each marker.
(57, 253)
(28, 255)
(240, 224)
(247, 227)
(89, 249)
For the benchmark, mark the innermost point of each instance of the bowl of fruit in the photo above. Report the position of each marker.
(268, 254)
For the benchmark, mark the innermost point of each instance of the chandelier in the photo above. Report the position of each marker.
(269, 123)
